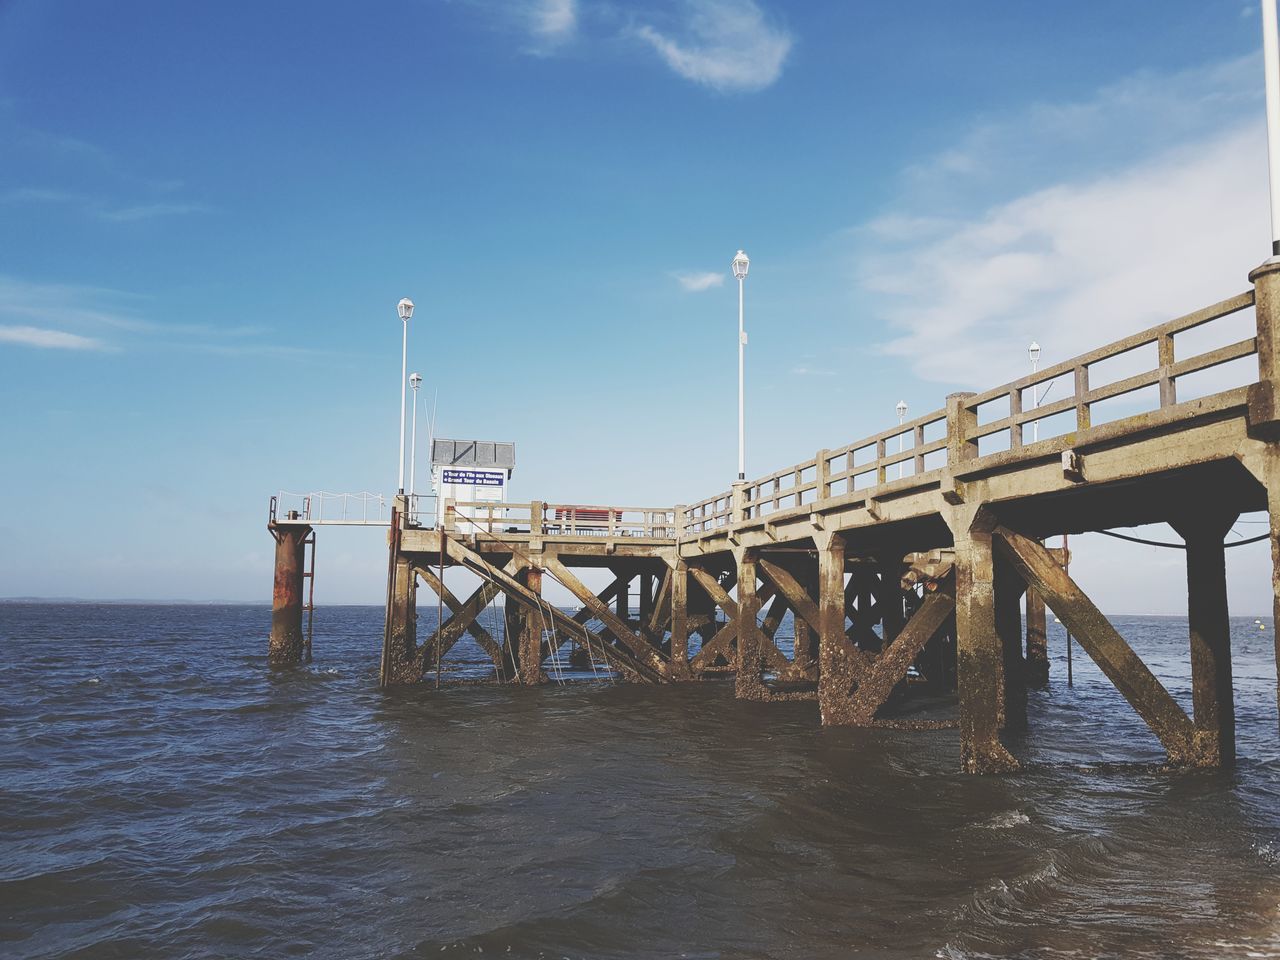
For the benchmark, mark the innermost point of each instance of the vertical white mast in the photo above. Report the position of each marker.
(1271, 61)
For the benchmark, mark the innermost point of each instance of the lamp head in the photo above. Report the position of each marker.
(414, 380)
(405, 307)
(1033, 351)
(741, 263)
(902, 408)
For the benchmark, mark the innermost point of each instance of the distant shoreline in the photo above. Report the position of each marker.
(134, 602)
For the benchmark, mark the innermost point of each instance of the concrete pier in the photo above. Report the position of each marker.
(904, 572)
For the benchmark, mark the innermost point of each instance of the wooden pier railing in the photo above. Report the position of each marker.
(1006, 422)
(561, 519)
(994, 421)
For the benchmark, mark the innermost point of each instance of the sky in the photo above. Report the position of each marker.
(208, 213)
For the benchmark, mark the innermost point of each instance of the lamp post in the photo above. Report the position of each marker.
(414, 381)
(740, 265)
(902, 415)
(405, 309)
(1033, 352)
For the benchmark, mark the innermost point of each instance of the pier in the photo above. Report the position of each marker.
(907, 555)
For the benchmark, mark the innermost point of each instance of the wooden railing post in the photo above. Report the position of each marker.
(1083, 419)
(537, 516)
(450, 515)
(1164, 360)
(680, 510)
(822, 481)
(1015, 410)
(960, 422)
(738, 502)
(1264, 396)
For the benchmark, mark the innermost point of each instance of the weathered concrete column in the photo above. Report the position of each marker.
(402, 661)
(1037, 641)
(889, 600)
(646, 597)
(979, 652)
(1009, 587)
(531, 673)
(1210, 626)
(831, 639)
(513, 616)
(749, 675)
(1270, 474)
(679, 619)
(622, 601)
(1264, 421)
(802, 656)
(287, 639)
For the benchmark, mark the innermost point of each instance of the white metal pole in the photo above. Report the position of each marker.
(413, 447)
(1271, 64)
(404, 383)
(742, 461)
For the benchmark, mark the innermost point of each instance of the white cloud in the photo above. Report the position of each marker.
(148, 211)
(1122, 123)
(727, 45)
(803, 371)
(1106, 245)
(696, 282)
(1076, 265)
(100, 208)
(49, 339)
(553, 20)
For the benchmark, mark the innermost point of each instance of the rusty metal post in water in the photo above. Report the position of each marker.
(287, 638)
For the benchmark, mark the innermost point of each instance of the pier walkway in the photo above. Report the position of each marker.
(907, 555)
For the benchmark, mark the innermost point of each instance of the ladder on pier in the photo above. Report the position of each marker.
(309, 575)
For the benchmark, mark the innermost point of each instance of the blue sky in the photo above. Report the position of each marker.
(208, 213)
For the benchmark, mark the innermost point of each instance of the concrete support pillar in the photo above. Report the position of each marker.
(1264, 420)
(1212, 696)
(530, 659)
(680, 620)
(622, 601)
(402, 661)
(1037, 641)
(979, 652)
(513, 621)
(646, 597)
(749, 675)
(831, 638)
(1009, 587)
(1273, 508)
(287, 599)
(892, 616)
(803, 658)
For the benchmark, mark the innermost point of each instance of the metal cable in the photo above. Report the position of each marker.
(1175, 546)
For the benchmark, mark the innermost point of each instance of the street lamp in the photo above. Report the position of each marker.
(740, 265)
(405, 309)
(414, 381)
(902, 415)
(1033, 352)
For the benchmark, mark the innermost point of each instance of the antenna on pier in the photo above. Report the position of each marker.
(1271, 64)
